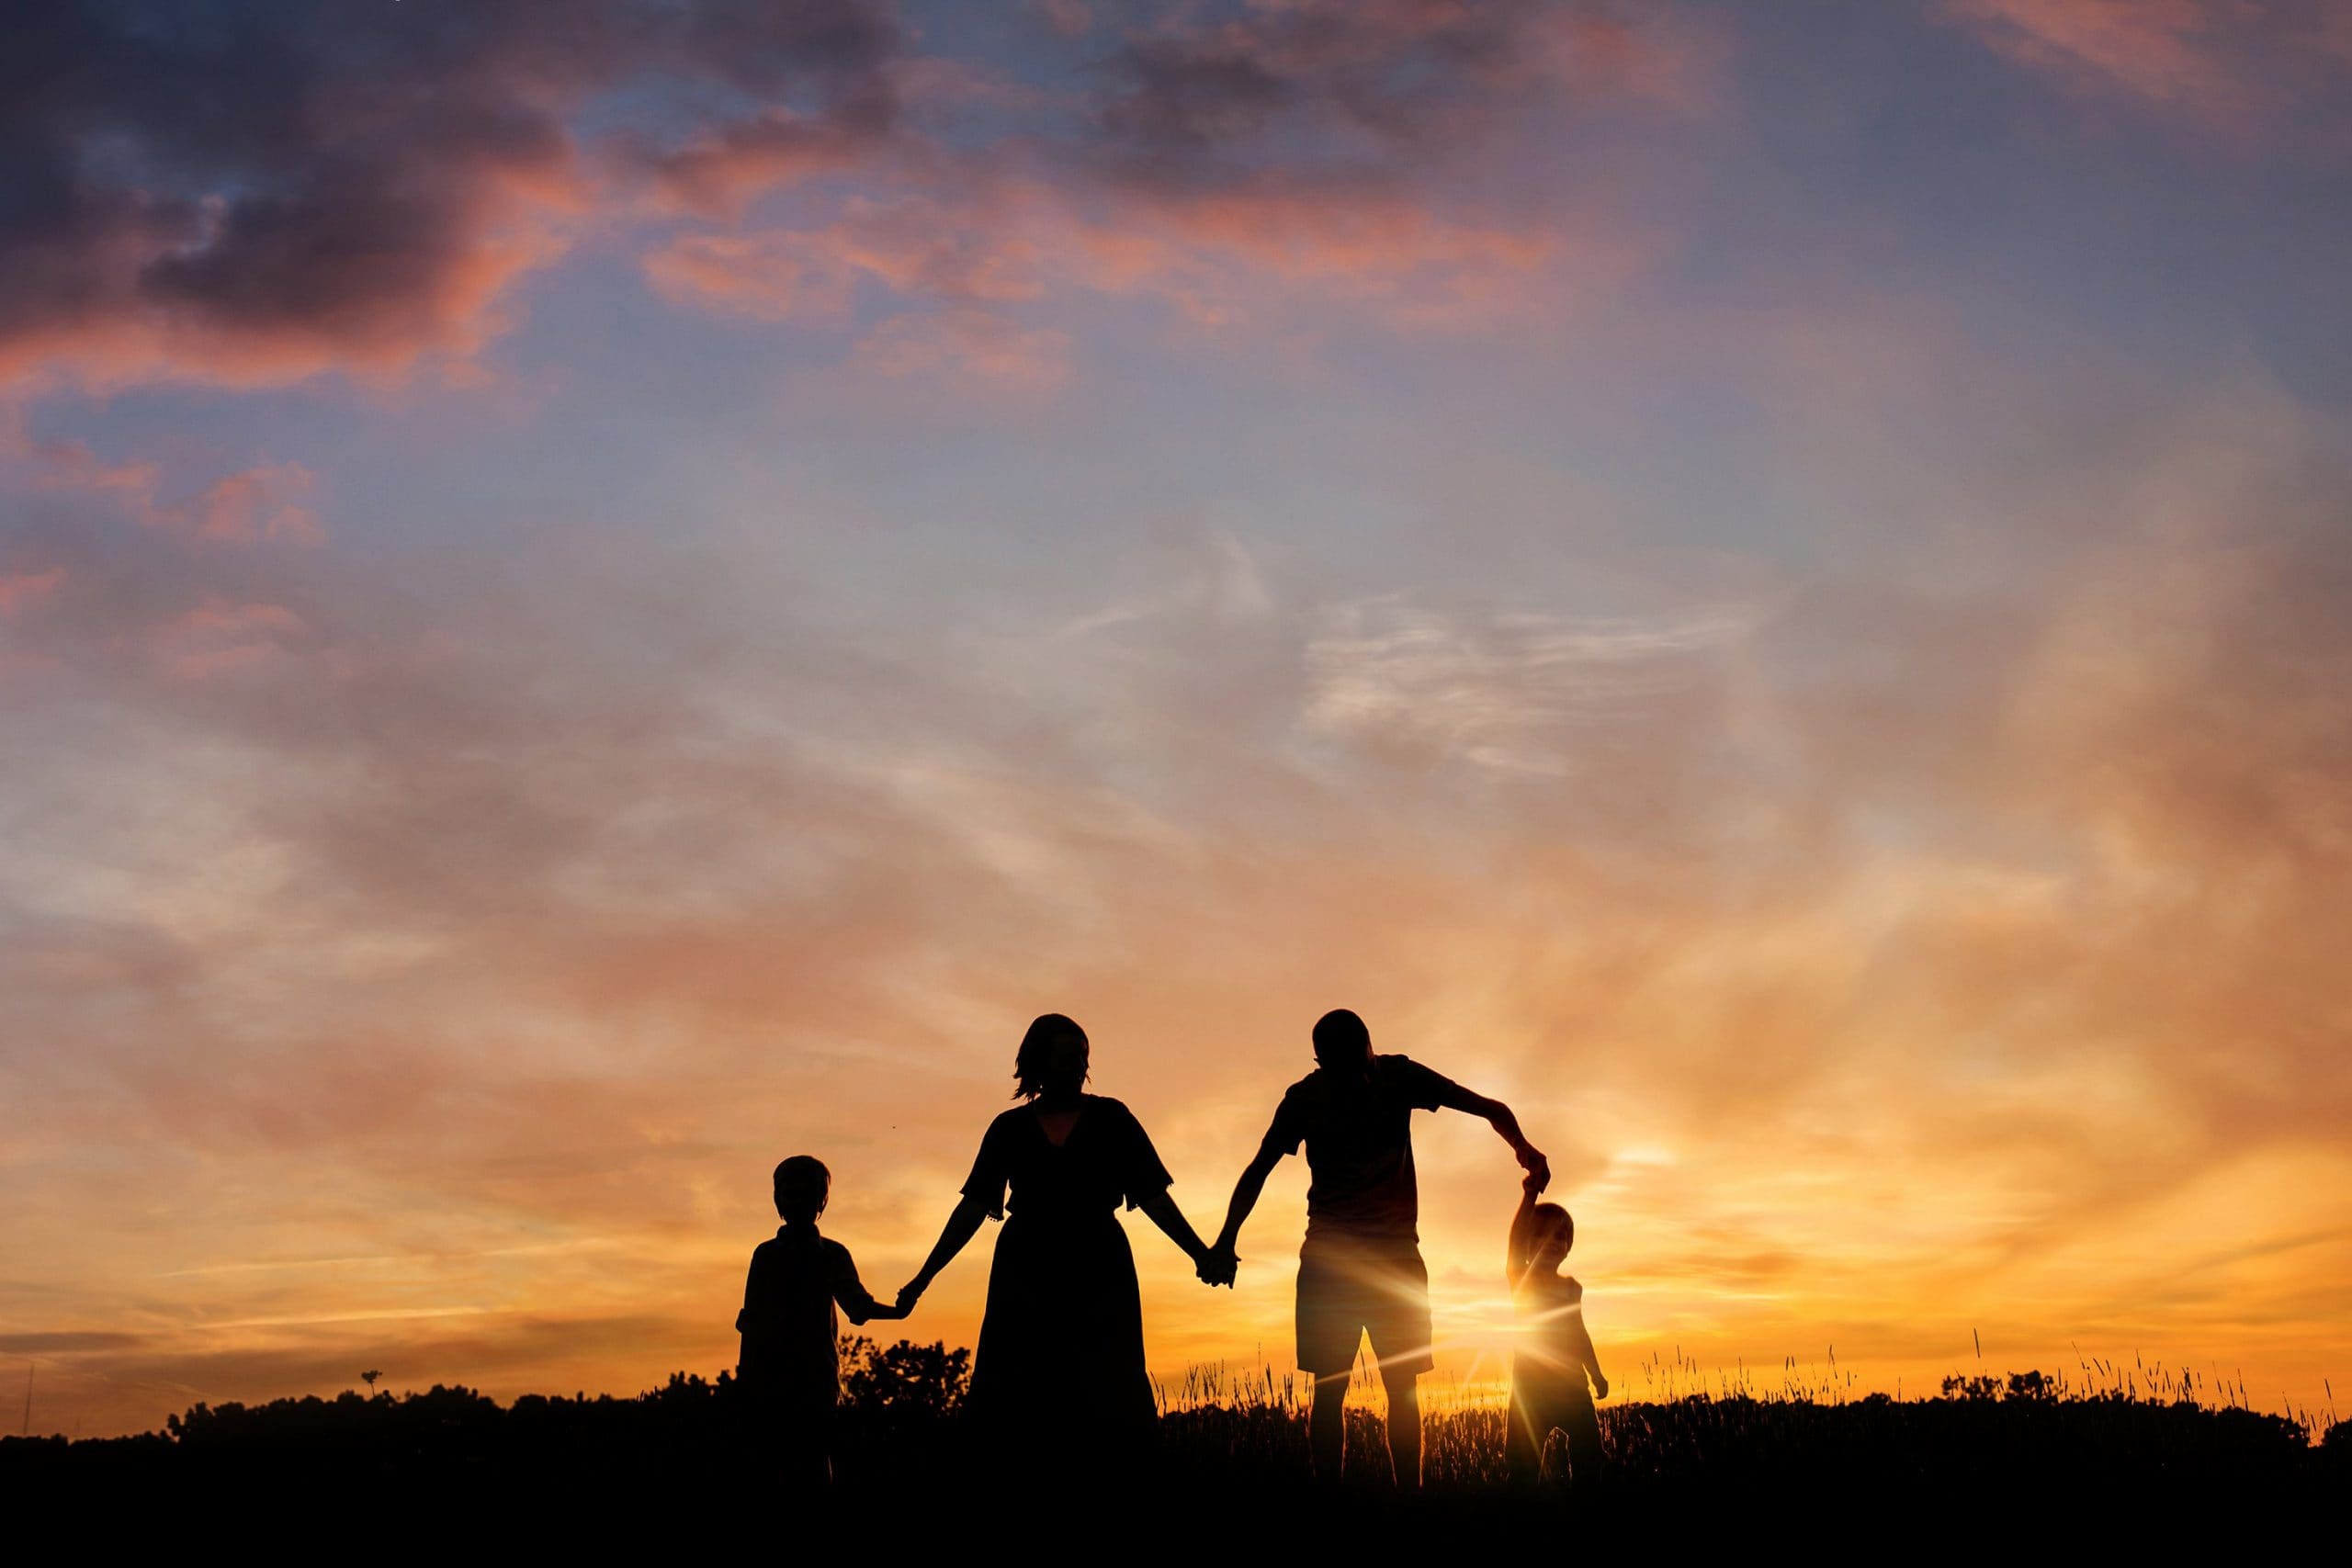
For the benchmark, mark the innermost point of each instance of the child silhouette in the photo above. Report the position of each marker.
(790, 1363)
(1555, 1356)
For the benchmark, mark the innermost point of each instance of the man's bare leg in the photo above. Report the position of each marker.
(1326, 1426)
(1404, 1427)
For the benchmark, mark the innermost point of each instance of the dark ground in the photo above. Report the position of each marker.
(1989, 1467)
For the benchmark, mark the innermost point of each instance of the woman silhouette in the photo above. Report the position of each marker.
(1060, 1360)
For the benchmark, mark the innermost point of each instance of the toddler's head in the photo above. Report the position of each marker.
(1554, 1233)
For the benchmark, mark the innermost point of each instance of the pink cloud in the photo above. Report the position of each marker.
(2150, 47)
(362, 197)
(722, 169)
(1390, 253)
(2224, 63)
(970, 345)
(254, 504)
(772, 276)
(25, 587)
(1292, 154)
(280, 313)
(1219, 258)
(221, 635)
(1070, 18)
(263, 503)
(922, 246)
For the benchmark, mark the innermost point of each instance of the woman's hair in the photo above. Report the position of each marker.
(1030, 1064)
(1551, 1217)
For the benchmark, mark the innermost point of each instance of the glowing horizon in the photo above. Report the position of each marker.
(580, 613)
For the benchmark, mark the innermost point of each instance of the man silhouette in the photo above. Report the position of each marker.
(1361, 1269)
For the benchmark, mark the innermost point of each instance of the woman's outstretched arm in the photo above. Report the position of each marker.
(961, 1227)
(1164, 1213)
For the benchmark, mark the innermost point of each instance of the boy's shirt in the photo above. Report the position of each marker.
(790, 1335)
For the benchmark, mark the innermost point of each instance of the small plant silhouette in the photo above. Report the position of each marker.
(369, 1377)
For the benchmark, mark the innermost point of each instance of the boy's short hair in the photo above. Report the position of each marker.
(1340, 1038)
(802, 1185)
(1550, 1217)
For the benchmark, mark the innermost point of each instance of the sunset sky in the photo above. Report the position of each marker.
(594, 595)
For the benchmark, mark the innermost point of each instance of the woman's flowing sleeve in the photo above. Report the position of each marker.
(985, 1185)
(1143, 1174)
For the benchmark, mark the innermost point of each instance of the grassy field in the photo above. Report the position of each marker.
(2108, 1448)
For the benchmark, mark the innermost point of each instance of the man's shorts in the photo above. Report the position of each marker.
(1349, 1287)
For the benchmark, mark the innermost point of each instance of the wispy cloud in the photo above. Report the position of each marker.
(1517, 692)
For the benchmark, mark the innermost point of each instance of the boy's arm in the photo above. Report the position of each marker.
(857, 1303)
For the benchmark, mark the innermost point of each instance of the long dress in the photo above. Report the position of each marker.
(1060, 1366)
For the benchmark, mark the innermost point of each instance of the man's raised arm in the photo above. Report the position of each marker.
(1495, 1113)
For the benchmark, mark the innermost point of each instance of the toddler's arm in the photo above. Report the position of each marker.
(1522, 1234)
(1587, 1356)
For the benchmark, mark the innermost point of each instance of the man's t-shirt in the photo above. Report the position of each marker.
(788, 1324)
(1359, 1138)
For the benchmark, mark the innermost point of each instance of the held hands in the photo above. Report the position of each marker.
(1538, 1169)
(911, 1293)
(1219, 1266)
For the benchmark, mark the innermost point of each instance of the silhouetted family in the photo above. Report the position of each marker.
(1059, 1368)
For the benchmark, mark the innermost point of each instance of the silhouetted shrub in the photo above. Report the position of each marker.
(904, 1379)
